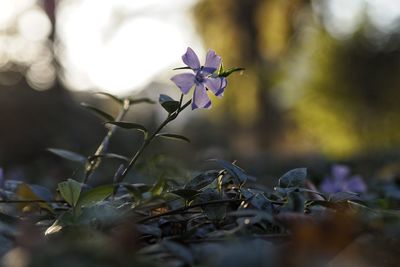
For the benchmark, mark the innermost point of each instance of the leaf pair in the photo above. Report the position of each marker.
(129, 126)
(168, 103)
(75, 157)
(132, 101)
(235, 171)
(222, 72)
(214, 212)
(293, 178)
(193, 187)
(71, 191)
(107, 117)
(136, 126)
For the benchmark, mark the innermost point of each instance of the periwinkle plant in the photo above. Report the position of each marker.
(204, 77)
(211, 76)
(340, 180)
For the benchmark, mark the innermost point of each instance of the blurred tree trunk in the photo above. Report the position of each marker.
(253, 34)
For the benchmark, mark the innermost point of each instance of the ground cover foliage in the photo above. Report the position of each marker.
(220, 216)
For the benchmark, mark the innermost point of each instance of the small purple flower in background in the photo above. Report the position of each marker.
(202, 78)
(1, 178)
(341, 181)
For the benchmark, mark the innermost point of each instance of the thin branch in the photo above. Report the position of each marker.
(182, 209)
(93, 164)
(31, 201)
(148, 140)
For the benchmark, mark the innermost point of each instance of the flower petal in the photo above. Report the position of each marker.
(340, 172)
(356, 184)
(328, 186)
(216, 85)
(212, 61)
(184, 81)
(190, 58)
(200, 97)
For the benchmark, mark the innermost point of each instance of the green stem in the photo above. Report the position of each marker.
(148, 140)
(93, 164)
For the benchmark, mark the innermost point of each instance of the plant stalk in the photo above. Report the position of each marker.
(148, 140)
(93, 164)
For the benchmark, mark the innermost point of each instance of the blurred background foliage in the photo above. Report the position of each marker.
(332, 95)
(316, 89)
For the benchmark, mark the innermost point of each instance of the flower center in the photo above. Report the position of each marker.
(200, 76)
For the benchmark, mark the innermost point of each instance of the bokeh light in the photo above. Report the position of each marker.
(120, 46)
(34, 25)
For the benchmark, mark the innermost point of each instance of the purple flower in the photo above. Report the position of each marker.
(1, 178)
(341, 181)
(203, 78)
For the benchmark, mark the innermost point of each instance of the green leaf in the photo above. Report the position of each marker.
(169, 104)
(283, 191)
(109, 156)
(323, 203)
(256, 198)
(247, 193)
(128, 125)
(173, 137)
(136, 190)
(70, 190)
(343, 196)
(163, 98)
(259, 201)
(234, 170)
(65, 219)
(102, 114)
(293, 178)
(186, 193)
(202, 180)
(312, 192)
(134, 101)
(69, 155)
(54, 228)
(158, 187)
(113, 97)
(226, 73)
(95, 195)
(33, 192)
(182, 68)
(214, 212)
(221, 69)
